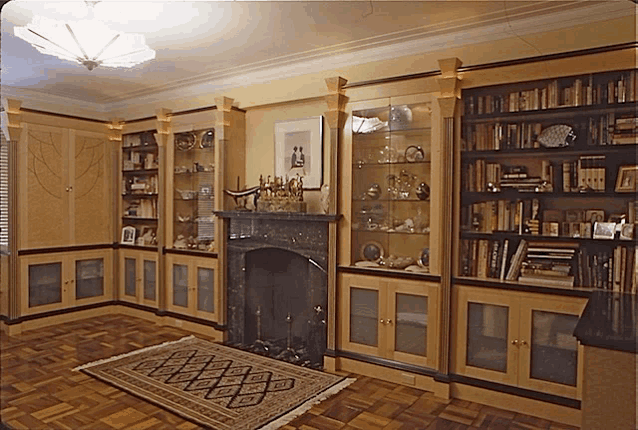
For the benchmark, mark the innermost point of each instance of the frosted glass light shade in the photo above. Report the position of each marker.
(89, 42)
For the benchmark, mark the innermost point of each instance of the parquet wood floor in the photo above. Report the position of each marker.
(39, 389)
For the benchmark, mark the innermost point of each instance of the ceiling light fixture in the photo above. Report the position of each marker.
(89, 42)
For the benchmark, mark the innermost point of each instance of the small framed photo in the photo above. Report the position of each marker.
(626, 231)
(626, 179)
(299, 150)
(593, 216)
(604, 230)
(128, 235)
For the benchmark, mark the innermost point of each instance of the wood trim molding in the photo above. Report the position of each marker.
(450, 94)
(336, 118)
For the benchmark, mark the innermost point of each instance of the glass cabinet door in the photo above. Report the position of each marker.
(130, 277)
(45, 284)
(364, 316)
(150, 270)
(205, 289)
(194, 186)
(89, 278)
(487, 334)
(554, 348)
(391, 175)
(411, 324)
(180, 285)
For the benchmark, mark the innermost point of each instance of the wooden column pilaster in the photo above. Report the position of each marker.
(12, 127)
(162, 132)
(336, 118)
(449, 84)
(222, 132)
(115, 128)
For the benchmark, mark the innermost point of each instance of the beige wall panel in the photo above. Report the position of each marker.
(42, 187)
(610, 398)
(62, 122)
(137, 127)
(92, 189)
(260, 140)
(619, 60)
(193, 121)
(235, 163)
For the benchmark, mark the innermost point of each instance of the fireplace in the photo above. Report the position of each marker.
(277, 284)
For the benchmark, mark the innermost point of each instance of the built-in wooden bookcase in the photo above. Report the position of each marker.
(545, 165)
(140, 187)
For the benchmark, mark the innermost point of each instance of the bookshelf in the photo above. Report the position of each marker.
(548, 190)
(140, 186)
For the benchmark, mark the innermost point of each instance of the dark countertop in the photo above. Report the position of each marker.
(609, 321)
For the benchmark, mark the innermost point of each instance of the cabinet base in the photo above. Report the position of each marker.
(510, 402)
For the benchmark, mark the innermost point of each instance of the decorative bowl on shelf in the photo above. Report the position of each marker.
(185, 141)
(372, 251)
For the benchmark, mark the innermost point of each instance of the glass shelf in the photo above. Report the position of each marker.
(194, 190)
(391, 174)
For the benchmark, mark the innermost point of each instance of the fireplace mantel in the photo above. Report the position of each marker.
(300, 243)
(292, 216)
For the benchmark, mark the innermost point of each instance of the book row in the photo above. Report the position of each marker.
(582, 91)
(600, 130)
(524, 216)
(551, 264)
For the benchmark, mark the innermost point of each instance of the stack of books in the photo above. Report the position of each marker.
(626, 130)
(516, 177)
(549, 264)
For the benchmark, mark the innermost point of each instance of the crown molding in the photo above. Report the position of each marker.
(425, 40)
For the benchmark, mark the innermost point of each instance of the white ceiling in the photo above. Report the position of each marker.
(231, 43)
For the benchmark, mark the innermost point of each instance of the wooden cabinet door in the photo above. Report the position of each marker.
(411, 322)
(148, 268)
(91, 280)
(46, 282)
(90, 188)
(486, 333)
(550, 357)
(43, 187)
(361, 314)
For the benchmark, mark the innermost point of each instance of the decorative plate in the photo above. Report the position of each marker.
(372, 251)
(207, 139)
(185, 141)
(414, 154)
(557, 136)
(423, 191)
(424, 258)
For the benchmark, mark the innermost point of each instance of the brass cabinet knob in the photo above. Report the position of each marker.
(515, 342)
(389, 321)
(382, 321)
(524, 342)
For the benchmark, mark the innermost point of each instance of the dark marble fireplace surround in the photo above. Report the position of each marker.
(277, 263)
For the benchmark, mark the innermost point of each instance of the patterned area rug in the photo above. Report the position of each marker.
(217, 386)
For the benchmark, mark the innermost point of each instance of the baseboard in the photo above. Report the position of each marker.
(514, 403)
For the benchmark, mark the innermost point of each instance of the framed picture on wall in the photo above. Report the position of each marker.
(299, 150)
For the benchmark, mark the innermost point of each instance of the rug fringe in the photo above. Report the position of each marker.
(305, 407)
(137, 351)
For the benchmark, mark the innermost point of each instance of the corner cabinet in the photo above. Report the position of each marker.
(64, 188)
(62, 280)
(138, 277)
(519, 339)
(395, 319)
